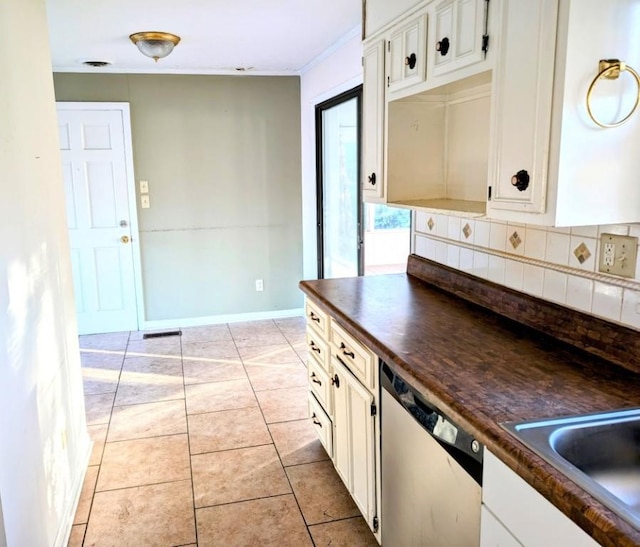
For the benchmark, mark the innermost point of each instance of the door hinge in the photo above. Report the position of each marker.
(362, 61)
(374, 409)
(376, 523)
(389, 45)
(489, 194)
(387, 81)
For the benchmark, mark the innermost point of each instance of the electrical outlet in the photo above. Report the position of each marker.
(259, 285)
(618, 255)
(144, 201)
(144, 186)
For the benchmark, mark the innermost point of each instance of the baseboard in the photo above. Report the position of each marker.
(217, 319)
(64, 531)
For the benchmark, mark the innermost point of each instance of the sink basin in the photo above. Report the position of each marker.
(600, 452)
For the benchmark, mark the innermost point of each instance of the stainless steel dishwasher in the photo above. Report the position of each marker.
(431, 472)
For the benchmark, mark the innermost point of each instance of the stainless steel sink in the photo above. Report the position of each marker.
(600, 452)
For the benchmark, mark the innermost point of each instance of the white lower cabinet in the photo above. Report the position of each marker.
(514, 513)
(354, 413)
(343, 403)
(493, 533)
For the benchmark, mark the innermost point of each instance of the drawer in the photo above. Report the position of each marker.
(357, 357)
(318, 348)
(320, 385)
(322, 424)
(316, 318)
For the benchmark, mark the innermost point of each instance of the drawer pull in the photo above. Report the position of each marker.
(347, 353)
(315, 421)
(410, 61)
(443, 46)
(314, 379)
(335, 381)
(314, 317)
(313, 347)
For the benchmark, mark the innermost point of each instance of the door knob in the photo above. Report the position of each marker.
(124, 239)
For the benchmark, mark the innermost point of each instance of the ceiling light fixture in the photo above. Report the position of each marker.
(155, 44)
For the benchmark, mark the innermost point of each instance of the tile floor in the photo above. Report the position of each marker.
(203, 439)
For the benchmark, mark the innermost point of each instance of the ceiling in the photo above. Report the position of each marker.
(218, 36)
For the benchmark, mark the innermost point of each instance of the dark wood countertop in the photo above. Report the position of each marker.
(483, 369)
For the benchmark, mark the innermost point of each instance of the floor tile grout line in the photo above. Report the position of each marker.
(293, 492)
(148, 437)
(140, 486)
(186, 417)
(95, 486)
(243, 447)
(227, 503)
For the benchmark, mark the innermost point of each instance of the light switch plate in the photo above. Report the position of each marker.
(618, 255)
(144, 186)
(144, 201)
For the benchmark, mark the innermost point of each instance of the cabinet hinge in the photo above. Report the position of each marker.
(374, 409)
(362, 61)
(485, 44)
(489, 194)
(485, 36)
(376, 523)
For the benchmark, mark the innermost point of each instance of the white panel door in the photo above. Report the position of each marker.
(94, 165)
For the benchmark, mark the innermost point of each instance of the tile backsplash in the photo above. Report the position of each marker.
(557, 264)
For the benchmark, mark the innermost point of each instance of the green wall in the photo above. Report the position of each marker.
(222, 157)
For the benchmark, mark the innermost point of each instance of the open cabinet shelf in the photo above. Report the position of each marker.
(438, 148)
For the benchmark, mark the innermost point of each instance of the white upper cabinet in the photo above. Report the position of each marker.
(407, 53)
(459, 36)
(550, 163)
(373, 186)
(522, 105)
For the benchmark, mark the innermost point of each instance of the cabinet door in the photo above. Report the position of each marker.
(407, 54)
(373, 123)
(458, 34)
(354, 447)
(530, 518)
(522, 106)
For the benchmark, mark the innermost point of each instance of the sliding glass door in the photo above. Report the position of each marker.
(340, 244)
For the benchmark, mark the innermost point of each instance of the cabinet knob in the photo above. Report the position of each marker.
(372, 179)
(411, 61)
(521, 180)
(443, 46)
(335, 381)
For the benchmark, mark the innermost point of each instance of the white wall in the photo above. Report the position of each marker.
(381, 12)
(44, 445)
(337, 70)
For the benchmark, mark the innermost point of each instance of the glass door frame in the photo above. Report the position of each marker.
(355, 93)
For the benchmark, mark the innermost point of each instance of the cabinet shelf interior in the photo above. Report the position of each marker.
(438, 147)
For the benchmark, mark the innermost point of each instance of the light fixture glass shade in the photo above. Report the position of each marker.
(155, 44)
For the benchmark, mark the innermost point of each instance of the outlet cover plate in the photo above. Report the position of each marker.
(618, 255)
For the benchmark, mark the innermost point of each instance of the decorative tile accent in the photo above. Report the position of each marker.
(582, 253)
(466, 230)
(515, 240)
(431, 223)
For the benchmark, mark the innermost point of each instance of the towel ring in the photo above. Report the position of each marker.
(611, 69)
